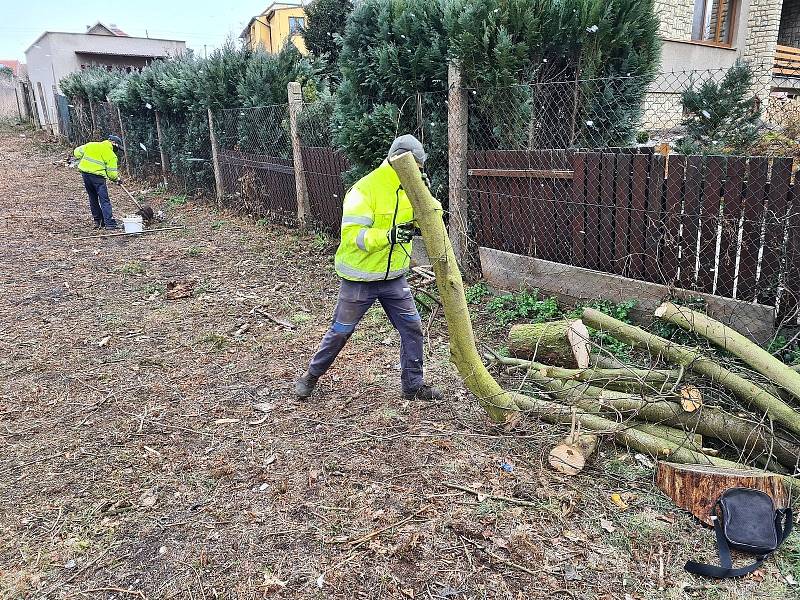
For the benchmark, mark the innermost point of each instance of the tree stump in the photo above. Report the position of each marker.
(696, 488)
(561, 343)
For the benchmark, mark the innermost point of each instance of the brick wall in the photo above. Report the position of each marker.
(676, 18)
(789, 34)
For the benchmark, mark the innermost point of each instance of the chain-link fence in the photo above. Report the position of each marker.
(686, 182)
(682, 181)
(256, 162)
(323, 166)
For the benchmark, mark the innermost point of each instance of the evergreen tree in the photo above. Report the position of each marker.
(393, 50)
(563, 48)
(326, 22)
(721, 117)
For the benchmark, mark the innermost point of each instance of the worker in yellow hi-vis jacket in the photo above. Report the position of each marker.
(372, 261)
(97, 162)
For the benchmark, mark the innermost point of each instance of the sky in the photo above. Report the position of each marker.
(198, 22)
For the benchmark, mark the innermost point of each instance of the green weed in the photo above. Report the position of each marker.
(176, 201)
(523, 305)
(132, 268)
(194, 251)
(214, 341)
(218, 224)
(476, 293)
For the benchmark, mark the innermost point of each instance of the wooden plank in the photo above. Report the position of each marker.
(506, 271)
(754, 199)
(592, 212)
(528, 173)
(579, 209)
(712, 192)
(607, 213)
(673, 196)
(732, 202)
(622, 199)
(774, 230)
(690, 220)
(653, 223)
(641, 164)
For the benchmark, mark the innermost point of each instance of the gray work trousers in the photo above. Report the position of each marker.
(355, 299)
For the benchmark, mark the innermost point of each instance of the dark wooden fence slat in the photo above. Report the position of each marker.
(606, 213)
(592, 212)
(653, 223)
(690, 220)
(673, 197)
(623, 213)
(578, 209)
(641, 165)
(753, 214)
(709, 211)
(774, 230)
(731, 214)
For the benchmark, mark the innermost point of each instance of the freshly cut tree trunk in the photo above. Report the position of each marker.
(563, 343)
(679, 436)
(742, 433)
(570, 456)
(497, 402)
(696, 488)
(748, 391)
(735, 343)
(616, 377)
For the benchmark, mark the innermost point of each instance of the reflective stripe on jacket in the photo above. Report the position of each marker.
(97, 158)
(371, 207)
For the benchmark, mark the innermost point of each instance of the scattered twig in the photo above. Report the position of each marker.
(117, 590)
(455, 486)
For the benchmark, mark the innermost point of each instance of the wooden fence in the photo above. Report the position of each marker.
(720, 225)
(323, 168)
(264, 185)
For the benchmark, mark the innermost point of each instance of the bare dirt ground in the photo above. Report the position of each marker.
(152, 448)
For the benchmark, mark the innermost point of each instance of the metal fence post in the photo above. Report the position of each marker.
(124, 144)
(464, 247)
(295, 108)
(215, 158)
(161, 148)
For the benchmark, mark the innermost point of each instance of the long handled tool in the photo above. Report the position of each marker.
(145, 210)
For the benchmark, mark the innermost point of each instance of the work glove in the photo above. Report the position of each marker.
(118, 181)
(401, 234)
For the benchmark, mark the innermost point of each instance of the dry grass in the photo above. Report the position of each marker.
(141, 469)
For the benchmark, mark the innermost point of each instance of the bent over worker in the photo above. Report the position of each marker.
(98, 162)
(372, 260)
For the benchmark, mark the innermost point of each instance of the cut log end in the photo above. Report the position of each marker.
(696, 488)
(570, 456)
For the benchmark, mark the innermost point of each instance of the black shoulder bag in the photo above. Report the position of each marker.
(749, 523)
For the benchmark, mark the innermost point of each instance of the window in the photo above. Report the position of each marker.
(296, 25)
(714, 21)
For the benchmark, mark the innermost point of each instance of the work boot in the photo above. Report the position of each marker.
(424, 392)
(98, 225)
(305, 385)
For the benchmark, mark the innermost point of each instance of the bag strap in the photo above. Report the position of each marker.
(724, 552)
(783, 523)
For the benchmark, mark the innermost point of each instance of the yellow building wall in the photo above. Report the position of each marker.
(273, 37)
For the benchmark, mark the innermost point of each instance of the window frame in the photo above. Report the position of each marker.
(300, 24)
(699, 19)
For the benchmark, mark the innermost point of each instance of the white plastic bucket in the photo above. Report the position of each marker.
(133, 224)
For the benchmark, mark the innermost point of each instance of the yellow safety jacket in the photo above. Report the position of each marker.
(97, 158)
(371, 207)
